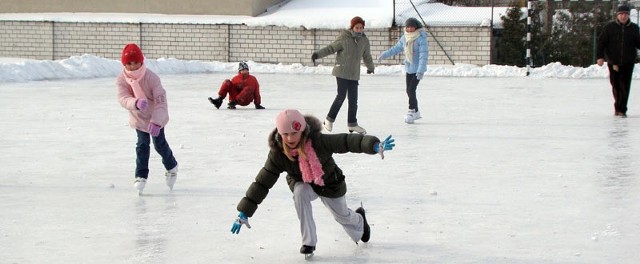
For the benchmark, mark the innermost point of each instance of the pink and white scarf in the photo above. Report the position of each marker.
(310, 165)
(133, 78)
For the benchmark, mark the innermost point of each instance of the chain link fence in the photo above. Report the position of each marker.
(562, 31)
(447, 12)
(439, 17)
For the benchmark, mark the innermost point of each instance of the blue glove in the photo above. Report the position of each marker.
(242, 220)
(387, 144)
(419, 75)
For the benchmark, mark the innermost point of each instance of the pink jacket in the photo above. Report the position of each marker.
(157, 112)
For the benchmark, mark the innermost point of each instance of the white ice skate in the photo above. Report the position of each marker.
(357, 129)
(139, 183)
(412, 116)
(328, 125)
(171, 175)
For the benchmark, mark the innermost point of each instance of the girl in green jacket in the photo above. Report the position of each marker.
(298, 148)
(351, 47)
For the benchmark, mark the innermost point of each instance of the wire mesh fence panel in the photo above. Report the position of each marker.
(514, 32)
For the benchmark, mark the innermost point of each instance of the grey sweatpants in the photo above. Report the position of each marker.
(351, 221)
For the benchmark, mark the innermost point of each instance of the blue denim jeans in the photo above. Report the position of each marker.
(143, 151)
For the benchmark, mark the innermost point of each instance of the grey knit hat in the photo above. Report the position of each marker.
(412, 22)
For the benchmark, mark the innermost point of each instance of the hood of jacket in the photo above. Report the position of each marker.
(349, 33)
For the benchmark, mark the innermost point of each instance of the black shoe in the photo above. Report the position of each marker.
(232, 105)
(621, 114)
(259, 106)
(217, 102)
(307, 249)
(367, 230)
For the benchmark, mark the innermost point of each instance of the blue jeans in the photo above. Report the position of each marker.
(345, 88)
(143, 151)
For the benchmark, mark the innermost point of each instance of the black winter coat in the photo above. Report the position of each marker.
(325, 145)
(619, 43)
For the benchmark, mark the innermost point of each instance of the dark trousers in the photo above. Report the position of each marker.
(412, 86)
(621, 85)
(346, 89)
(143, 152)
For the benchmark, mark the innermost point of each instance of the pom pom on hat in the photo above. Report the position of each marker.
(624, 9)
(355, 21)
(290, 120)
(243, 66)
(132, 53)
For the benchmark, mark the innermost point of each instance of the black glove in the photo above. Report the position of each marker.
(314, 57)
(370, 72)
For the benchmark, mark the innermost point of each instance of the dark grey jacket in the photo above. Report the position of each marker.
(325, 145)
(351, 49)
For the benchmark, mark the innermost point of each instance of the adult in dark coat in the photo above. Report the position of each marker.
(618, 42)
(298, 148)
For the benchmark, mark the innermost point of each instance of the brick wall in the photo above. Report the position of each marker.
(207, 42)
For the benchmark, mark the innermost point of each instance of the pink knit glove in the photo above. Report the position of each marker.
(154, 130)
(142, 104)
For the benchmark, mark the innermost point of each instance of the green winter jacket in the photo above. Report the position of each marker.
(325, 145)
(351, 49)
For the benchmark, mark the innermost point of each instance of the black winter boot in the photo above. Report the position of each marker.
(232, 105)
(217, 102)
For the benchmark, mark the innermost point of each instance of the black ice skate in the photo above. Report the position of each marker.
(307, 251)
(367, 230)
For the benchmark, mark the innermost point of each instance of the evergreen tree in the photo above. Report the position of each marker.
(575, 30)
(513, 41)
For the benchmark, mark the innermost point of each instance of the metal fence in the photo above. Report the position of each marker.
(448, 13)
(551, 23)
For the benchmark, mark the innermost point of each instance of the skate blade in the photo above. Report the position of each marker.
(308, 256)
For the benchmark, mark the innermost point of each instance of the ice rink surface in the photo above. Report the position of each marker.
(498, 170)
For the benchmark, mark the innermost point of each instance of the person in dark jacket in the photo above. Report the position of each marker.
(351, 47)
(618, 42)
(242, 89)
(298, 148)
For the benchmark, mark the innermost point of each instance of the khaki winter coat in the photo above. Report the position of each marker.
(351, 49)
(325, 145)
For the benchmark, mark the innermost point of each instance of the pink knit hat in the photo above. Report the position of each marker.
(290, 120)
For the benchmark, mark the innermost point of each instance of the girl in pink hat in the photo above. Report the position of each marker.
(141, 93)
(298, 148)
